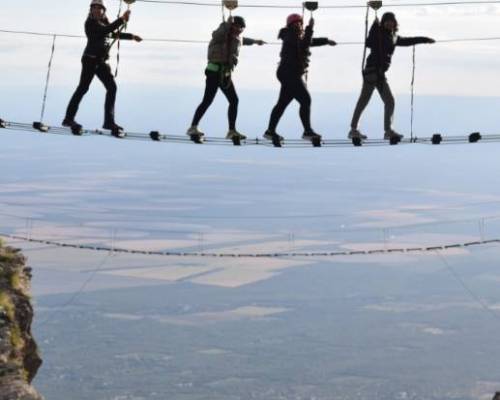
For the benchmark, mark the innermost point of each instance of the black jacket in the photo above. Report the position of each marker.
(99, 33)
(295, 51)
(382, 44)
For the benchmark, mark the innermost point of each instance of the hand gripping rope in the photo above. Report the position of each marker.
(230, 5)
(375, 5)
(310, 6)
(122, 29)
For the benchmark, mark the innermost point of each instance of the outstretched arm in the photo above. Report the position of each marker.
(94, 28)
(126, 36)
(411, 41)
(249, 41)
(316, 42)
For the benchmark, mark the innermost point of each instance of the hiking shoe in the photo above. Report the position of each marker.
(392, 134)
(118, 133)
(233, 133)
(311, 135)
(112, 126)
(194, 131)
(356, 134)
(269, 135)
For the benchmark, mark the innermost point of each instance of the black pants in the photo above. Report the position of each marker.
(213, 83)
(292, 87)
(90, 68)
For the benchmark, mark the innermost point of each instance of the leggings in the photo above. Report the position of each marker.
(370, 83)
(213, 83)
(90, 68)
(292, 87)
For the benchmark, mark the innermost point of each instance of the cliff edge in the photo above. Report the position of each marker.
(19, 358)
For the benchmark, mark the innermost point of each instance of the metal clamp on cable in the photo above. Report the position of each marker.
(236, 140)
(316, 142)
(375, 4)
(437, 138)
(357, 142)
(310, 6)
(40, 126)
(231, 4)
(276, 141)
(155, 136)
(198, 139)
(3, 124)
(475, 137)
(394, 140)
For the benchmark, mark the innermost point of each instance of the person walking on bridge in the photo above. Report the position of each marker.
(223, 54)
(295, 54)
(382, 41)
(100, 33)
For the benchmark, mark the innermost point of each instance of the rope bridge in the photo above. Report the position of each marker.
(322, 254)
(157, 136)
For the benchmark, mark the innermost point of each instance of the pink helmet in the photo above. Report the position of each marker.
(293, 18)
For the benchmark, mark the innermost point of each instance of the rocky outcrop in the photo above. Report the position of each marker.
(19, 358)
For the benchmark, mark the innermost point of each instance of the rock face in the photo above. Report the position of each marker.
(19, 358)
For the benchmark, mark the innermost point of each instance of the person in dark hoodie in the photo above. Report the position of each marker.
(382, 41)
(223, 53)
(295, 54)
(99, 33)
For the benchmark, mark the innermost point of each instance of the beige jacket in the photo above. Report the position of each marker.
(225, 48)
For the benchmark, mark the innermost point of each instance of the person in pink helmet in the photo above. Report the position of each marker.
(99, 32)
(295, 54)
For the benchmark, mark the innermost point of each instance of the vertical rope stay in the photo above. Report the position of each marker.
(222, 11)
(366, 37)
(306, 77)
(118, 39)
(412, 94)
(47, 80)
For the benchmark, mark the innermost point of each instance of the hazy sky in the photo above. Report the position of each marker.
(469, 69)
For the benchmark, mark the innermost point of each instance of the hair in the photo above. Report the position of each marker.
(389, 16)
(104, 17)
(240, 21)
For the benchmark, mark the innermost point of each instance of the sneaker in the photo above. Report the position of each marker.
(194, 131)
(117, 133)
(233, 133)
(112, 126)
(392, 134)
(356, 134)
(311, 135)
(269, 135)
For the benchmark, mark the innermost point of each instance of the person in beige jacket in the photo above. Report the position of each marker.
(223, 53)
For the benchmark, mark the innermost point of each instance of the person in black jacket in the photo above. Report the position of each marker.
(295, 55)
(99, 33)
(382, 41)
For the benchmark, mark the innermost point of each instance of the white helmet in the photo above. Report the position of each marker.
(98, 3)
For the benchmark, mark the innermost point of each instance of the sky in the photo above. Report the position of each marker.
(464, 69)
